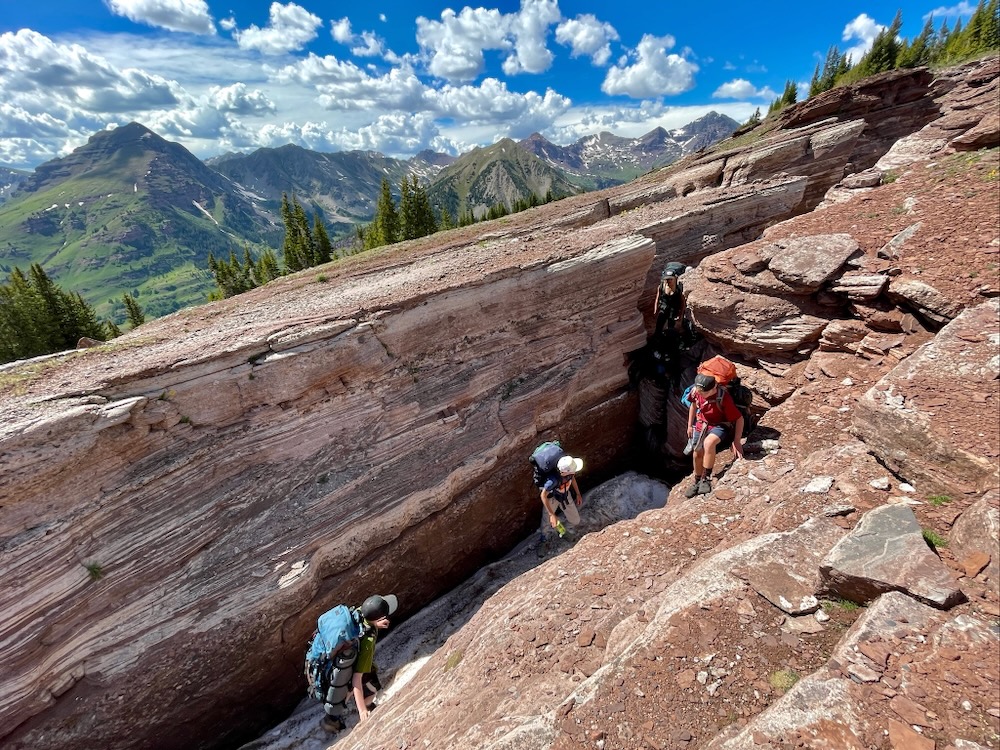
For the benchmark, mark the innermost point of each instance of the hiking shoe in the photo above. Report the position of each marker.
(704, 487)
(331, 724)
(693, 489)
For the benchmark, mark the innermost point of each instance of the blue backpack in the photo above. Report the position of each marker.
(334, 629)
(545, 463)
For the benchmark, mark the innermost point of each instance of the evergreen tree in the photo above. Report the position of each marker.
(290, 250)
(407, 211)
(831, 70)
(133, 311)
(267, 269)
(814, 82)
(447, 222)
(112, 330)
(305, 249)
(84, 319)
(883, 54)
(991, 25)
(918, 52)
(426, 223)
(37, 317)
(321, 241)
(384, 229)
(55, 322)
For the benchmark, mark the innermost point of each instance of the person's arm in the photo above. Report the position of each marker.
(576, 491)
(357, 687)
(656, 300)
(735, 416)
(737, 437)
(547, 502)
(683, 308)
(691, 412)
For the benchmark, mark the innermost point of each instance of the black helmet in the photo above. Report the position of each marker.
(376, 607)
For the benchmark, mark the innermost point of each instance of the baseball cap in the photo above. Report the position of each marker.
(704, 382)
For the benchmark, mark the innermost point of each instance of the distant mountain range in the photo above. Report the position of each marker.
(603, 160)
(131, 212)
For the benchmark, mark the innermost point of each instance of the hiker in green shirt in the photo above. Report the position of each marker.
(365, 683)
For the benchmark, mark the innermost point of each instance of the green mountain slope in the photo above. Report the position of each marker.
(129, 212)
(501, 173)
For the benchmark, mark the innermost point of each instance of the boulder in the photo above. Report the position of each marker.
(945, 451)
(926, 301)
(887, 552)
(786, 573)
(805, 263)
(977, 533)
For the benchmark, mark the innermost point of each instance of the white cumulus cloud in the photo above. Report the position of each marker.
(529, 29)
(864, 30)
(290, 27)
(341, 30)
(455, 44)
(740, 88)
(586, 36)
(176, 15)
(399, 89)
(239, 100)
(959, 10)
(654, 73)
(41, 75)
(491, 102)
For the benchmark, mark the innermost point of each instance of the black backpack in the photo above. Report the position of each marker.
(545, 463)
(678, 269)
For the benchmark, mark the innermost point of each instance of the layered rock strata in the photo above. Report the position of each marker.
(180, 504)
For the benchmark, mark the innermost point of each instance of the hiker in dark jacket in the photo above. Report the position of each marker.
(669, 304)
(712, 419)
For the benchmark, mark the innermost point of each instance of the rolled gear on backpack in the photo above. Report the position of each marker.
(337, 631)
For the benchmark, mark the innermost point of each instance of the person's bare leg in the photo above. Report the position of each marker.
(711, 443)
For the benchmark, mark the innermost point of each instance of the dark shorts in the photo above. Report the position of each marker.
(725, 433)
(371, 684)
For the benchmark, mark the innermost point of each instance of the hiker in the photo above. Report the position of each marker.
(562, 493)
(365, 685)
(340, 660)
(713, 419)
(669, 304)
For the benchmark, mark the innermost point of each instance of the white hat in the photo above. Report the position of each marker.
(570, 465)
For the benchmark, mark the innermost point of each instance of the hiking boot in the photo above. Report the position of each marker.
(693, 489)
(704, 487)
(332, 724)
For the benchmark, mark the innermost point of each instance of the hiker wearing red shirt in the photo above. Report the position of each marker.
(712, 419)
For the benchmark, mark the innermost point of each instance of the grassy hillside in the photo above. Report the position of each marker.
(128, 212)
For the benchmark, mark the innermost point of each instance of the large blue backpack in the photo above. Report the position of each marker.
(332, 652)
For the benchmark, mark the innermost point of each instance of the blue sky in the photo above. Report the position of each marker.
(399, 77)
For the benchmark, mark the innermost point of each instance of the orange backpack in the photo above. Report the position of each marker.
(719, 368)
